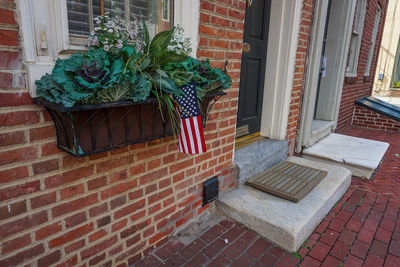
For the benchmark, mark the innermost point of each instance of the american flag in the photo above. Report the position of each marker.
(191, 138)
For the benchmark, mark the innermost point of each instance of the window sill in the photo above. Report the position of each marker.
(351, 75)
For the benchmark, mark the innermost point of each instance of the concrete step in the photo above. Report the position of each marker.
(259, 156)
(319, 130)
(361, 156)
(283, 222)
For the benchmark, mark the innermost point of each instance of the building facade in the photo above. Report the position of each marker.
(112, 208)
(387, 75)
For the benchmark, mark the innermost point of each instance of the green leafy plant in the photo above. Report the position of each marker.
(117, 67)
(79, 78)
(396, 84)
(296, 255)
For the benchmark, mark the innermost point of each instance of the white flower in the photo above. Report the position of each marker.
(119, 41)
(119, 46)
(110, 30)
(132, 35)
(97, 28)
(106, 48)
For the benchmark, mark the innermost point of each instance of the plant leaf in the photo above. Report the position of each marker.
(145, 63)
(165, 84)
(160, 42)
(162, 73)
(146, 38)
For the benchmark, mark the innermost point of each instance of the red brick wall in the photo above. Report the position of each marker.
(361, 86)
(109, 208)
(367, 118)
(300, 71)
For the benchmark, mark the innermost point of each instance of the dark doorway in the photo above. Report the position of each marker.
(255, 40)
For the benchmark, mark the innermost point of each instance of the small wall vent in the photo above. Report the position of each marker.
(210, 190)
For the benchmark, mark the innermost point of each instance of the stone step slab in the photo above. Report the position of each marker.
(361, 156)
(283, 222)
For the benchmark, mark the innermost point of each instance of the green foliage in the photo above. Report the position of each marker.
(396, 84)
(296, 255)
(207, 79)
(141, 88)
(160, 42)
(80, 77)
(158, 67)
(52, 92)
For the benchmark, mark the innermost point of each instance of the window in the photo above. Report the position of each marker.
(395, 83)
(373, 40)
(355, 41)
(81, 13)
(53, 28)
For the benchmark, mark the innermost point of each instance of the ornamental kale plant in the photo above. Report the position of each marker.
(122, 66)
(207, 79)
(80, 77)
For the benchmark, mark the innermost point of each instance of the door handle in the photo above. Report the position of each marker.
(246, 47)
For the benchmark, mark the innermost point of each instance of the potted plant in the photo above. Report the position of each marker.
(121, 91)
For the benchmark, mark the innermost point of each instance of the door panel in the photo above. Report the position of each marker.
(328, 85)
(253, 66)
(252, 80)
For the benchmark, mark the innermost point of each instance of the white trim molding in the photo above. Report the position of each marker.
(187, 14)
(284, 27)
(344, 10)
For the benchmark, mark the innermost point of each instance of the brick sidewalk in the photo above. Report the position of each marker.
(363, 229)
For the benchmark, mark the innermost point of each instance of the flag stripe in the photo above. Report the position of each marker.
(180, 143)
(183, 137)
(187, 137)
(190, 135)
(202, 140)
(198, 135)
(194, 135)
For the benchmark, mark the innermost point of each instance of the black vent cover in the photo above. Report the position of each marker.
(210, 190)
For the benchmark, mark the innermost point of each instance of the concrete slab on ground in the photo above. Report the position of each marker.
(286, 223)
(361, 156)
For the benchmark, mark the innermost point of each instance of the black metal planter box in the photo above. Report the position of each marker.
(88, 129)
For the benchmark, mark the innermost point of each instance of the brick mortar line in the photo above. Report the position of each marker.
(78, 196)
(355, 238)
(9, 27)
(220, 237)
(4, 110)
(93, 220)
(93, 162)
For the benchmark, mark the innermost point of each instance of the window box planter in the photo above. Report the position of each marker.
(89, 129)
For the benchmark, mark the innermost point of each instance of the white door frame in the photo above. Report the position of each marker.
(311, 83)
(285, 18)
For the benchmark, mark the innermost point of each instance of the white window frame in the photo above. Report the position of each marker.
(373, 40)
(45, 34)
(353, 71)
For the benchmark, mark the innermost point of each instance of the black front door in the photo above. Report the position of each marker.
(255, 40)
